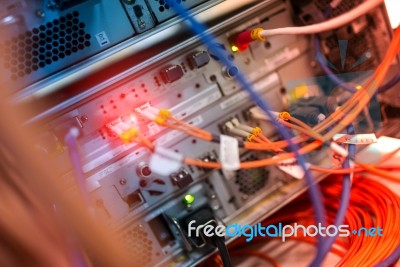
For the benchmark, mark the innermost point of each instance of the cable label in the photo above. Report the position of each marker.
(339, 154)
(292, 167)
(229, 153)
(357, 139)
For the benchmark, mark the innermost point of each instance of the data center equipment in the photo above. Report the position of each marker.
(108, 69)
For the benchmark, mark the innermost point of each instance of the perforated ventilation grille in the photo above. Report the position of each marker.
(40, 47)
(250, 181)
(358, 44)
(138, 245)
(166, 4)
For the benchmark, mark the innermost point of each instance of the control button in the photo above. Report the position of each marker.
(171, 73)
(143, 170)
(198, 59)
(230, 72)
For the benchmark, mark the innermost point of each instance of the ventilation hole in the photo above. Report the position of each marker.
(44, 45)
(250, 181)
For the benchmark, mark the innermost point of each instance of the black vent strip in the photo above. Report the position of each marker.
(166, 4)
(42, 46)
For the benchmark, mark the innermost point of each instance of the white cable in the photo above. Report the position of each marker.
(257, 113)
(328, 25)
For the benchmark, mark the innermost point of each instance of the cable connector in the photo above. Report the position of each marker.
(257, 131)
(129, 136)
(250, 137)
(284, 116)
(160, 121)
(164, 113)
(256, 34)
(241, 41)
(258, 114)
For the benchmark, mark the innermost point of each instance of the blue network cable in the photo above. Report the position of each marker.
(391, 259)
(207, 39)
(325, 247)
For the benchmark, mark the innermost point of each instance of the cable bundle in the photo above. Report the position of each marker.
(371, 205)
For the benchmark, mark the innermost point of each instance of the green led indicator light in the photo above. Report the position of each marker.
(188, 199)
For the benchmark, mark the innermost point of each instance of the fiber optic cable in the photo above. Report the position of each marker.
(208, 40)
(337, 81)
(344, 203)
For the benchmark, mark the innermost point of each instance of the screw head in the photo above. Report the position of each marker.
(84, 118)
(123, 181)
(40, 13)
